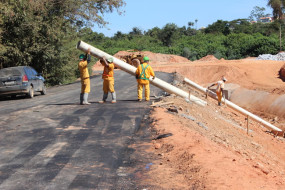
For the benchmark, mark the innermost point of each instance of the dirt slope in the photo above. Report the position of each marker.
(213, 151)
(209, 147)
(248, 73)
(156, 58)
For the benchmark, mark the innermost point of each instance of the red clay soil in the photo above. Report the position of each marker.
(219, 155)
(248, 73)
(156, 58)
(211, 148)
(208, 58)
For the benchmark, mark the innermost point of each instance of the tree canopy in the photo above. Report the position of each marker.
(35, 32)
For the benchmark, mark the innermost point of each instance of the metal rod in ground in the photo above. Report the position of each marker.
(247, 122)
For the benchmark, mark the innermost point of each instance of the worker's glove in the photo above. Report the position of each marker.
(153, 77)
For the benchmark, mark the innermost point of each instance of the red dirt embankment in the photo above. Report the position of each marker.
(209, 147)
(156, 58)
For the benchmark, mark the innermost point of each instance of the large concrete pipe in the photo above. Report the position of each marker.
(132, 70)
(232, 105)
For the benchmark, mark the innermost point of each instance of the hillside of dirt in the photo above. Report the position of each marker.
(156, 58)
(211, 147)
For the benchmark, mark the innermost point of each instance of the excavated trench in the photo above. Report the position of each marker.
(267, 105)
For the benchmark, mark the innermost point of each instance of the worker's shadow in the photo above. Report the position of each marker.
(63, 104)
(128, 100)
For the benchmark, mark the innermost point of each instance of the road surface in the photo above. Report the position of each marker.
(52, 142)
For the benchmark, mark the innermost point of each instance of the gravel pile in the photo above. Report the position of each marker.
(279, 57)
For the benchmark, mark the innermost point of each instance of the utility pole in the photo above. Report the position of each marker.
(280, 38)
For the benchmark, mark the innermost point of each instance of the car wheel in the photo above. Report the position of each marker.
(44, 90)
(31, 92)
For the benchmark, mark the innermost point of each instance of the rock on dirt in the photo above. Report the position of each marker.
(279, 57)
(282, 72)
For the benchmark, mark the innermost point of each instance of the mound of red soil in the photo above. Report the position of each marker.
(155, 58)
(282, 72)
(208, 58)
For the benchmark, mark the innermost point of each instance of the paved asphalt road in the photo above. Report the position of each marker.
(52, 142)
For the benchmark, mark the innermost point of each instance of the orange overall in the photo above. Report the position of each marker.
(84, 75)
(108, 76)
(144, 71)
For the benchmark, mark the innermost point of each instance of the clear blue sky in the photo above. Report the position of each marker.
(147, 14)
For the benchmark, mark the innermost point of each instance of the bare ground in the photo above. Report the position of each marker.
(209, 147)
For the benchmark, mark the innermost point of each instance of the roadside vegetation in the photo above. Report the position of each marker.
(43, 34)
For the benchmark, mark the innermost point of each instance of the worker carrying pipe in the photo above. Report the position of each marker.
(108, 79)
(84, 76)
(143, 73)
(220, 89)
(132, 70)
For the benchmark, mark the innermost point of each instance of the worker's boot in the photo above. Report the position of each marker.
(113, 97)
(81, 98)
(85, 99)
(219, 104)
(105, 96)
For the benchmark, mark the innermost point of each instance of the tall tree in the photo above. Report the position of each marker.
(33, 32)
(136, 31)
(257, 13)
(168, 34)
(277, 6)
(278, 13)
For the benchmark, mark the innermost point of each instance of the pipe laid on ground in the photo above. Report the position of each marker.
(132, 70)
(232, 105)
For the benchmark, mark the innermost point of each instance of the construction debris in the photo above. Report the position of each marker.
(279, 57)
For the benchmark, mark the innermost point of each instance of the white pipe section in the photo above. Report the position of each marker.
(132, 70)
(232, 105)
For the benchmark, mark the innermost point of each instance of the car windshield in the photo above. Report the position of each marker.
(9, 72)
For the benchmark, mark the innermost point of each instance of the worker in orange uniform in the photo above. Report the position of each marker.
(143, 73)
(108, 79)
(220, 89)
(84, 75)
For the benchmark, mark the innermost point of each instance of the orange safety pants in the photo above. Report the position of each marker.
(108, 86)
(85, 85)
(220, 95)
(140, 91)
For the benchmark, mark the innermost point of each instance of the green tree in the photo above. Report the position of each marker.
(119, 35)
(257, 13)
(220, 26)
(278, 13)
(154, 32)
(136, 32)
(168, 34)
(35, 32)
(277, 6)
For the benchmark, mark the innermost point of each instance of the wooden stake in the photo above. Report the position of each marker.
(247, 123)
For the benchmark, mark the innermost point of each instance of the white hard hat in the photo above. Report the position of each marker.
(224, 79)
